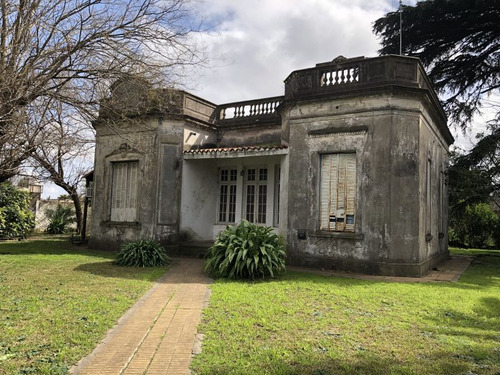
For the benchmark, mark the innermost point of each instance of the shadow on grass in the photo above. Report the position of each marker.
(56, 245)
(482, 323)
(362, 363)
(109, 269)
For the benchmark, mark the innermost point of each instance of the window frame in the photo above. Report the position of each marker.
(261, 189)
(342, 181)
(114, 215)
(230, 185)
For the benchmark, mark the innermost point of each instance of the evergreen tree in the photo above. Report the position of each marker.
(458, 42)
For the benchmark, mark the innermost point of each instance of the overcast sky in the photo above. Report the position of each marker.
(253, 45)
(256, 44)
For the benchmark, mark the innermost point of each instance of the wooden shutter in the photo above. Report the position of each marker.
(350, 207)
(124, 191)
(338, 192)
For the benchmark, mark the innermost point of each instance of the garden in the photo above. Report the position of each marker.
(59, 300)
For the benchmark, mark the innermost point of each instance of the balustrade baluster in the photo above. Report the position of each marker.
(356, 74)
(348, 77)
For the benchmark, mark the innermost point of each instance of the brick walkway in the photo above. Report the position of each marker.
(156, 336)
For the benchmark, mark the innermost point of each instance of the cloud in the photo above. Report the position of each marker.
(256, 44)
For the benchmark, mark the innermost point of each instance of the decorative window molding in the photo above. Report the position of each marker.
(124, 148)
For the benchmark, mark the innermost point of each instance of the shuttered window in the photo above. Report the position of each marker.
(338, 192)
(124, 191)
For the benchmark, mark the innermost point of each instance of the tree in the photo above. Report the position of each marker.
(476, 227)
(16, 218)
(69, 51)
(60, 153)
(458, 42)
(474, 177)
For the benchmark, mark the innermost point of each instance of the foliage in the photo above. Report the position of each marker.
(59, 301)
(143, 253)
(66, 53)
(310, 324)
(16, 218)
(59, 219)
(246, 251)
(458, 41)
(475, 177)
(476, 227)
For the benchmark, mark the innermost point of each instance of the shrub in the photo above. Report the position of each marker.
(16, 218)
(476, 227)
(246, 251)
(59, 219)
(143, 253)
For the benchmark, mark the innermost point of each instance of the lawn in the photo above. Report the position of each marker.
(307, 324)
(57, 302)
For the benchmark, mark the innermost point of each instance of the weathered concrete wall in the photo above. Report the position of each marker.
(41, 207)
(196, 137)
(433, 212)
(157, 146)
(250, 136)
(384, 132)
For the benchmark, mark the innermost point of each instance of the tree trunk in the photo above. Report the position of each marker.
(78, 210)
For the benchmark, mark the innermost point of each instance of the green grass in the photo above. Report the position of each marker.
(306, 324)
(473, 252)
(58, 301)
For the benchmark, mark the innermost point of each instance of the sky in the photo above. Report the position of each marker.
(256, 44)
(253, 45)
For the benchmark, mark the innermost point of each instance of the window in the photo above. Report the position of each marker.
(277, 184)
(428, 197)
(256, 195)
(124, 191)
(227, 195)
(338, 192)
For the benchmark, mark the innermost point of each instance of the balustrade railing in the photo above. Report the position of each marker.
(344, 74)
(249, 110)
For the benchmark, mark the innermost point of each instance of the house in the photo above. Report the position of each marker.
(348, 165)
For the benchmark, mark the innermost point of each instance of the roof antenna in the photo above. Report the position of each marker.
(401, 27)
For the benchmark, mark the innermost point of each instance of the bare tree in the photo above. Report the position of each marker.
(69, 51)
(61, 149)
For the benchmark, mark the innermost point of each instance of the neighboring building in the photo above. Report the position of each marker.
(32, 185)
(349, 166)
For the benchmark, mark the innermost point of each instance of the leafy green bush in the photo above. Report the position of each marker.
(59, 219)
(143, 253)
(16, 218)
(477, 227)
(246, 251)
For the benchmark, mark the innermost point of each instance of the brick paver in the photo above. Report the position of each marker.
(156, 336)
